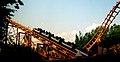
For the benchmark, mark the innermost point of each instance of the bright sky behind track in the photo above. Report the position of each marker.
(64, 17)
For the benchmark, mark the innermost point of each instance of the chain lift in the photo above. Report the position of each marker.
(51, 49)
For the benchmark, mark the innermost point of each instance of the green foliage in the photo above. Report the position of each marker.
(80, 40)
(110, 37)
(13, 53)
(8, 7)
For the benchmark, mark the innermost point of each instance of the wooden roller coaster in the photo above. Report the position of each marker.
(52, 50)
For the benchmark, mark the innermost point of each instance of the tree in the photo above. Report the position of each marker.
(7, 9)
(78, 40)
(13, 53)
(81, 41)
(112, 37)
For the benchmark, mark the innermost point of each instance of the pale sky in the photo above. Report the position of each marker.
(64, 17)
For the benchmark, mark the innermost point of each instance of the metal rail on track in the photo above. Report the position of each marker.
(106, 23)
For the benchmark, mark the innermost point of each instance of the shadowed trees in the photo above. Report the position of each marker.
(13, 53)
(111, 40)
(81, 40)
(7, 9)
(17, 53)
(111, 37)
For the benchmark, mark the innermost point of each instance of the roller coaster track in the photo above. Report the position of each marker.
(106, 23)
(67, 53)
(40, 37)
(59, 48)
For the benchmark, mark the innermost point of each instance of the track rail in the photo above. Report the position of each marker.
(69, 53)
(65, 51)
(106, 23)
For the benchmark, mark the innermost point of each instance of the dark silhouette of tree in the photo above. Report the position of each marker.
(110, 37)
(7, 9)
(18, 54)
(13, 52)
(81, 40)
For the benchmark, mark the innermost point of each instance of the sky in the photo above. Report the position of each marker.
(64, 18)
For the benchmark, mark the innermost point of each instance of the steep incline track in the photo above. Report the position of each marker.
(68, 53)
(106, 23)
